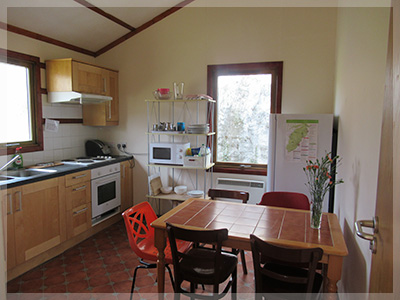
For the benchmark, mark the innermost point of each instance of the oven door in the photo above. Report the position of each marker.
(106, 194)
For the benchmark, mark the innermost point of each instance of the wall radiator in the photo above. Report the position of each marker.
(255, 188)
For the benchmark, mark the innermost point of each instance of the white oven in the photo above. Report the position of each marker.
(106, 189)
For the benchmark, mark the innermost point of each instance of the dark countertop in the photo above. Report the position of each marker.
(60, 171)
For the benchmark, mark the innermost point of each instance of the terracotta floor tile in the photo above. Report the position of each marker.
(56, 262)
(123, 286)
(53, 271)
(54, 280)
(77, 276)
(90, 256)
(60, 288)
(93, 264)
(72, 260)
(99, 280)
(119, 276)
(74, 267)
(31, 285)
(115, 268)
(144, 281)
(109, 260)
(96, 272)
(33, 274)
(77, 287)
(103, 289)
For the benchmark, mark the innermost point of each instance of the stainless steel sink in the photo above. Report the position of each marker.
(27, 172)
(2, 178)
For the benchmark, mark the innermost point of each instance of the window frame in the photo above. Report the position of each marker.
(33, 64)
(213, 71)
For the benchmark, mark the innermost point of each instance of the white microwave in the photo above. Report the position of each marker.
(167, 153)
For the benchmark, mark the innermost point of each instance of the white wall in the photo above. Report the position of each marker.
(360, 77)
(180, 47)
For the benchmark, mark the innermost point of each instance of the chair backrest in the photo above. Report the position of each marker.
(229, 194)
(212, 257)
(285, 256)
(286, 199)
(137, 222)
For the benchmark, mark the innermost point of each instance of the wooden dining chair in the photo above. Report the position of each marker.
(231, 194)
(282, 274)
(202, 265)
(286, 200)
(141, 239)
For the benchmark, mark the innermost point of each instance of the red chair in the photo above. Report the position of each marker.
(141, 238)
(285, 199)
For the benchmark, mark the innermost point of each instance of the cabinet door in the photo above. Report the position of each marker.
(39, 218)
(9, 198)
(88, 79)
(112, 107)
(126, 185)
(106, 113)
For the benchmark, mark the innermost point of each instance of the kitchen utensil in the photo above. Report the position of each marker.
(181, 126)
(180, 189)
(166, 189)
(162, 94)
(196, 194)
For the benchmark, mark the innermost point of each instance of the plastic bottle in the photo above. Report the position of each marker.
(203, 150)
(19, 162)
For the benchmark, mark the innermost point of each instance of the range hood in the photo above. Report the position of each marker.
(76, 98)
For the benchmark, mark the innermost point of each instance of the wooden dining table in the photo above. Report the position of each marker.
(280, 226)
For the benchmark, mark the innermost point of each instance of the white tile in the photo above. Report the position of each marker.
(48, 156)
(48, 143)
(66, 142)
(38, 157)
(58, 154)
(66, 130)
(57, 143)
(67, 153)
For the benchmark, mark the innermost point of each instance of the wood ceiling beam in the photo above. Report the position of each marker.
(144, 26)
(43, 38)
(105, 14)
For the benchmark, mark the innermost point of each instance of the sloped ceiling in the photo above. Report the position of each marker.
(87, 26)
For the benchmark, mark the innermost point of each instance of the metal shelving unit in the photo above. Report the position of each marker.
(156, 109)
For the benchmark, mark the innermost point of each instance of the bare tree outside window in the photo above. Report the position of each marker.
(243, 118)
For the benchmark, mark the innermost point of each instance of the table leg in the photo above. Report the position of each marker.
(333, 276)
(160, 243)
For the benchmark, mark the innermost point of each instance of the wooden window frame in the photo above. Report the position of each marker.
(213, 71)
(33, 64)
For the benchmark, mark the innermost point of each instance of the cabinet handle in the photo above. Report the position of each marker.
(80, 211)
(20, 201)
(79, 188)
(123, 171)
(79, 176)
(104, 85)
(10, 212)
(109, 110)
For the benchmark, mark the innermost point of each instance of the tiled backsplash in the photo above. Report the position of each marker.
(68, 142)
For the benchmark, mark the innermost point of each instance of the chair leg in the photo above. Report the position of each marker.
(170, 275)
(134, 279)
(234, 285)
(243, 258)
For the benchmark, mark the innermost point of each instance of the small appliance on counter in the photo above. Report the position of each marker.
(96, 148)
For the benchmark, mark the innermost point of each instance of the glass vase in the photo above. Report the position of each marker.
(316, 214)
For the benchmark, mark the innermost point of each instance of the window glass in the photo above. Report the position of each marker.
(243, 118)
(21, 119)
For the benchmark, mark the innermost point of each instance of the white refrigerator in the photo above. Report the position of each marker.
(293, 139)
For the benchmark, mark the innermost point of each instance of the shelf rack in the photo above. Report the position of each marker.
(154, 113)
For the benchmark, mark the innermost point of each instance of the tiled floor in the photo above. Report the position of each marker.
(101, 267)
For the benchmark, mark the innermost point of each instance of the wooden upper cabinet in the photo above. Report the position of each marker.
(68, 75)
(106, 113)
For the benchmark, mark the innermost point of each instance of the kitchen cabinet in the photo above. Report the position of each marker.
(190, 112)
(35, 219)
(68, 75)
(78, 203)
(126, 185)
(106, 113)
(9, 198)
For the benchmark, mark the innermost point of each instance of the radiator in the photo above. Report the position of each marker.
(255, 188)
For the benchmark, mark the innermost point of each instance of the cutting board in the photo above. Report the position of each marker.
(155, 185)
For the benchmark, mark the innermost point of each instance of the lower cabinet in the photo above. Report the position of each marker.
(35, 219)
(45, 214)
(78, 204)
(126, 185)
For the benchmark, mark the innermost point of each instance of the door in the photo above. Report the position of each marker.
(381, 241)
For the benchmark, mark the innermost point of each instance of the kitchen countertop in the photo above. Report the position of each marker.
(61, 170)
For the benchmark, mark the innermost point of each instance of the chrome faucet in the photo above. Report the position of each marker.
(9, 162)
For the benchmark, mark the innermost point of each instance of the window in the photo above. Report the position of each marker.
(246, 94)
(21, 120)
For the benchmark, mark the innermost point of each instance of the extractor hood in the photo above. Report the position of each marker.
(76, 98)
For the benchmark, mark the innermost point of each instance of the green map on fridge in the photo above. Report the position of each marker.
(301, 140)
